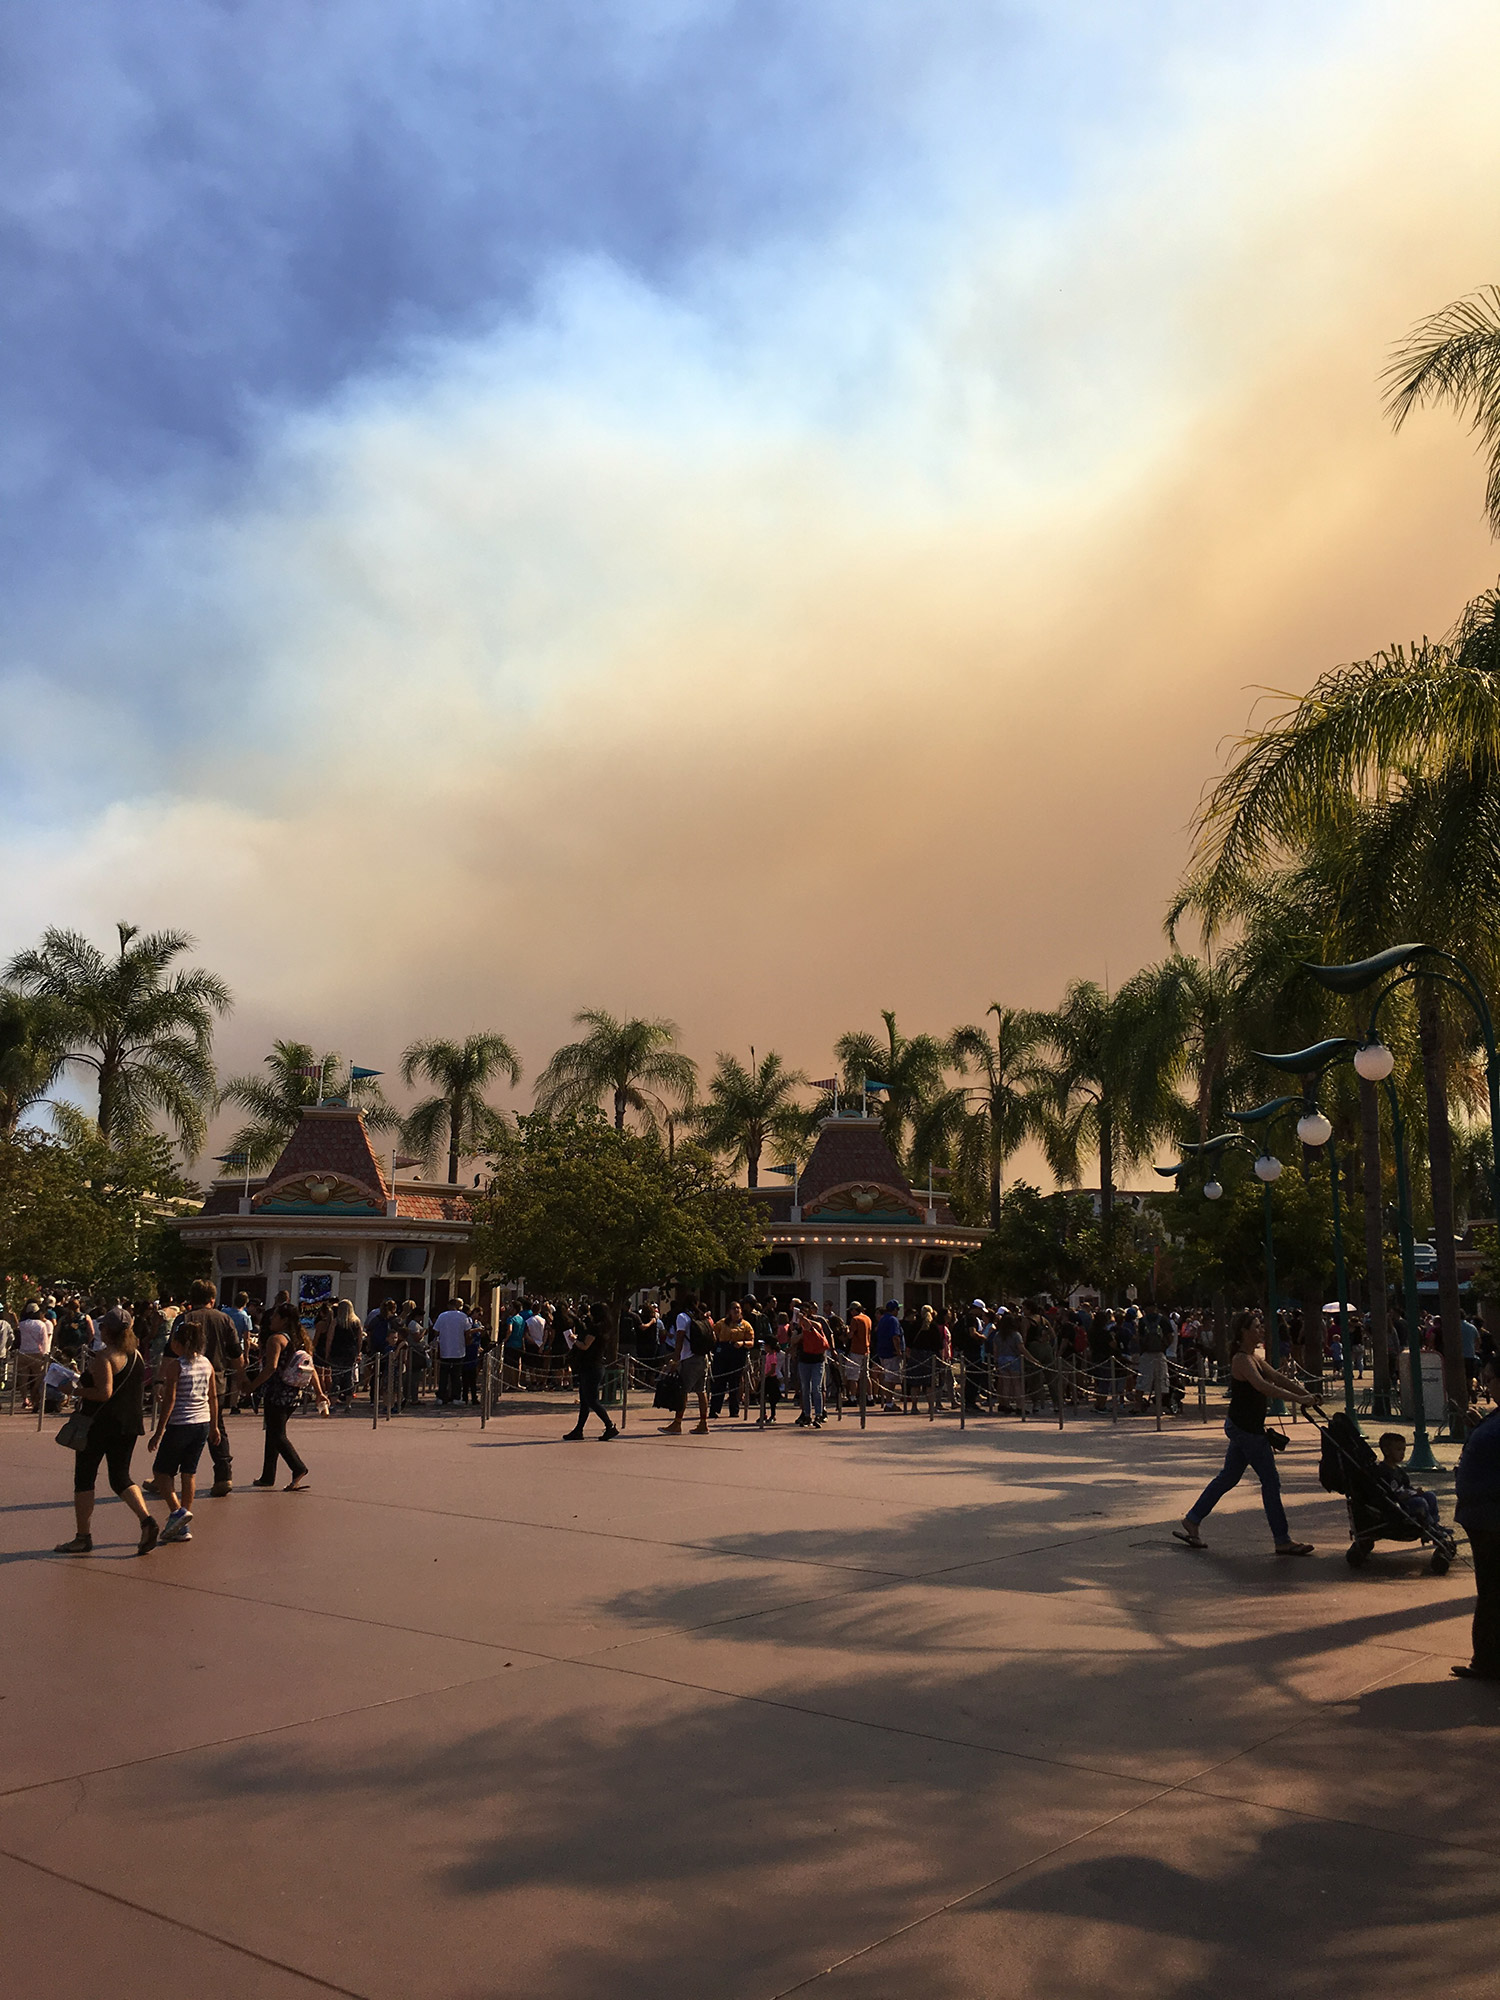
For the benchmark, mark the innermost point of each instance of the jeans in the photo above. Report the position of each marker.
(1252, 1450)
(725, 1380)
(278, 1447)
(1484, 1543)
(810, 1374)
(588, 1397)
(450, 1379)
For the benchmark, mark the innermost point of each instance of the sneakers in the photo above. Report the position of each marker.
(176, 1529)
(220, 1488)
(612, 1432)
(150, 1536)
(81, 1545)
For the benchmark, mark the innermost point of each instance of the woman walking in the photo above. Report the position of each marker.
(115, 1388)
(587, 1356)
(285, 1371)
(1252, 1384)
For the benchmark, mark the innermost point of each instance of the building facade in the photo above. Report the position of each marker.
(853, 1231)
(328, 1222)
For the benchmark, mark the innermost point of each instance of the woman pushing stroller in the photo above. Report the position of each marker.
(1253, 1382)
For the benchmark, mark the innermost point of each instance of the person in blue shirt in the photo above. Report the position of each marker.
(890, 1346)
(1477, 1512)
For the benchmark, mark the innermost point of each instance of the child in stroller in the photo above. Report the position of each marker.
(1392, 1474)
(1379, 1511)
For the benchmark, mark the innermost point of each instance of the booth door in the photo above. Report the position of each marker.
(863, 1292)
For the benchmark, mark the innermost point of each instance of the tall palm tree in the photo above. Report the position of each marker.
(1453, 356)
(1116, 1066)
(292, 1081)
(31, 1054)
(985, 1123)
(145, 1032)
(461, 1071)
(745, 1106)
(911, 1067)
(634, 1063)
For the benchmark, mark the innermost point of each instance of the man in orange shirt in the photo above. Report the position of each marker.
(859, 1352)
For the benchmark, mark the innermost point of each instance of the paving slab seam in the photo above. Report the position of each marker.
(1188, 1785)
(192, 1930)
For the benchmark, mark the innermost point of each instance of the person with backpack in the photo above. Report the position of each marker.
(115, 1393)
(224, 1351)
(694, 1334)
(812, 1349)
(286, 1370)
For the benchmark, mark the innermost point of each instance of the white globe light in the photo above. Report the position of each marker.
(1268, 1167)
(1374, 1062)
(1313, 1129)
(1212, 1190)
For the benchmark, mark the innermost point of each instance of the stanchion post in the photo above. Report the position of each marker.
(961, 1375)
(1157, 1399)
(763, 1390)
(375, 1361)
(1202, 1390)
(1114, 1407)
(1057, 1367)
(863, 1390)
(625, 1378)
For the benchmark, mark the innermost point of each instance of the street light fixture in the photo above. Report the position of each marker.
(1374, 1062)
(1268, 1167)
(1313, 1129)
(1212, 1191)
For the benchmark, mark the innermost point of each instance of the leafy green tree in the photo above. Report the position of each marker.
(910, 1066)
(144, 1031)
(582, 1206)
(635, 1063)
(277, 1099)
(462, 1072)
(31, 1054)
(747, 1106)
(1040, 1243)
(82, 1211)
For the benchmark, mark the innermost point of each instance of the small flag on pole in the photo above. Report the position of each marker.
(232, 1159)
(824, 1083)
(874, 1083)
(363, 1075)
(309, 1069)
(781, 1170)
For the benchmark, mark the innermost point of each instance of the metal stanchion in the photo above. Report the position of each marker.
(1057, 1390)
(375, 1361)
(1157, 1399)
(627, 1374)
(862, 1390)
(1114, 1405)
(1202, 1390)
(962, 1375)
(763, 1391)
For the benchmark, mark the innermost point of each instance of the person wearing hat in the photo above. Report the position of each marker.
(890, 1350)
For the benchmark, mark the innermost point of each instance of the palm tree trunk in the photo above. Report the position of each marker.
(619, 1111)
(455, 1132)
(1369, 1157)
(1107, 1186)
(1440, 1162)
(752, 1163)
(108, 1071)
(995, 1188)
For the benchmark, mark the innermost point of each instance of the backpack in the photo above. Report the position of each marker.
(700, 1336)
(284, 1390)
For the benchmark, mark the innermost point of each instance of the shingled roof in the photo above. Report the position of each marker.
(851, 1149)
(330, 1140)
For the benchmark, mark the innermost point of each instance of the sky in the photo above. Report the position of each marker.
(757, 513)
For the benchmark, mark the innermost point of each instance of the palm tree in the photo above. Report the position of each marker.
(461, 1071)
(1116, 1065)
(1453, 356)
(292, 1081)
(985, 1124)
(147, 1036)
(910, 1067)
(31, 1054)
(746, 1106)
(635, 1063)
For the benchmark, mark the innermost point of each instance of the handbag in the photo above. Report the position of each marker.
(74, 1434)
(670, 1395)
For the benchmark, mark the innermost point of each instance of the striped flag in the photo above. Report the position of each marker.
(824, 1083)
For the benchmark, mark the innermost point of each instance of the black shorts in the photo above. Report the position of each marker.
(111, 1448)
(180, 1450)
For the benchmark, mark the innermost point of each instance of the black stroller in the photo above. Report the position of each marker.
(1347, 1465)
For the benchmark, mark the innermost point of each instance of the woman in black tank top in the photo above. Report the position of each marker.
(1252, 1384)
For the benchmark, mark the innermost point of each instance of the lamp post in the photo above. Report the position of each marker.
(1420, 961)
(1267, 1171)
(1313, 1129)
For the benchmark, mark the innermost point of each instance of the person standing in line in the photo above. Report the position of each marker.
(587, 1355)
(732, 1339)
(1253, 1382)
(221, 1347)
(187, 1419)
(116, 1389)
(343, 1353)
(380, 1340)
(1477, 1512)
(286, 1369)
(515, 1347)
(812, 1350)
(860, 1332)
(1151, 1374)
(452, 1327)
(693, 1335)
(890, 1347)
(34, 1349)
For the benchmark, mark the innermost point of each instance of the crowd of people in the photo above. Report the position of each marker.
(183, 1371)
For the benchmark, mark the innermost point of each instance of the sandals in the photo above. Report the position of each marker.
(1188, 1535)
(1294, 1548)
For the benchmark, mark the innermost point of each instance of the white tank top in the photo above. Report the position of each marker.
(194, 1373)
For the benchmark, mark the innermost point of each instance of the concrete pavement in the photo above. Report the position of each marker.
(864, 1714)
